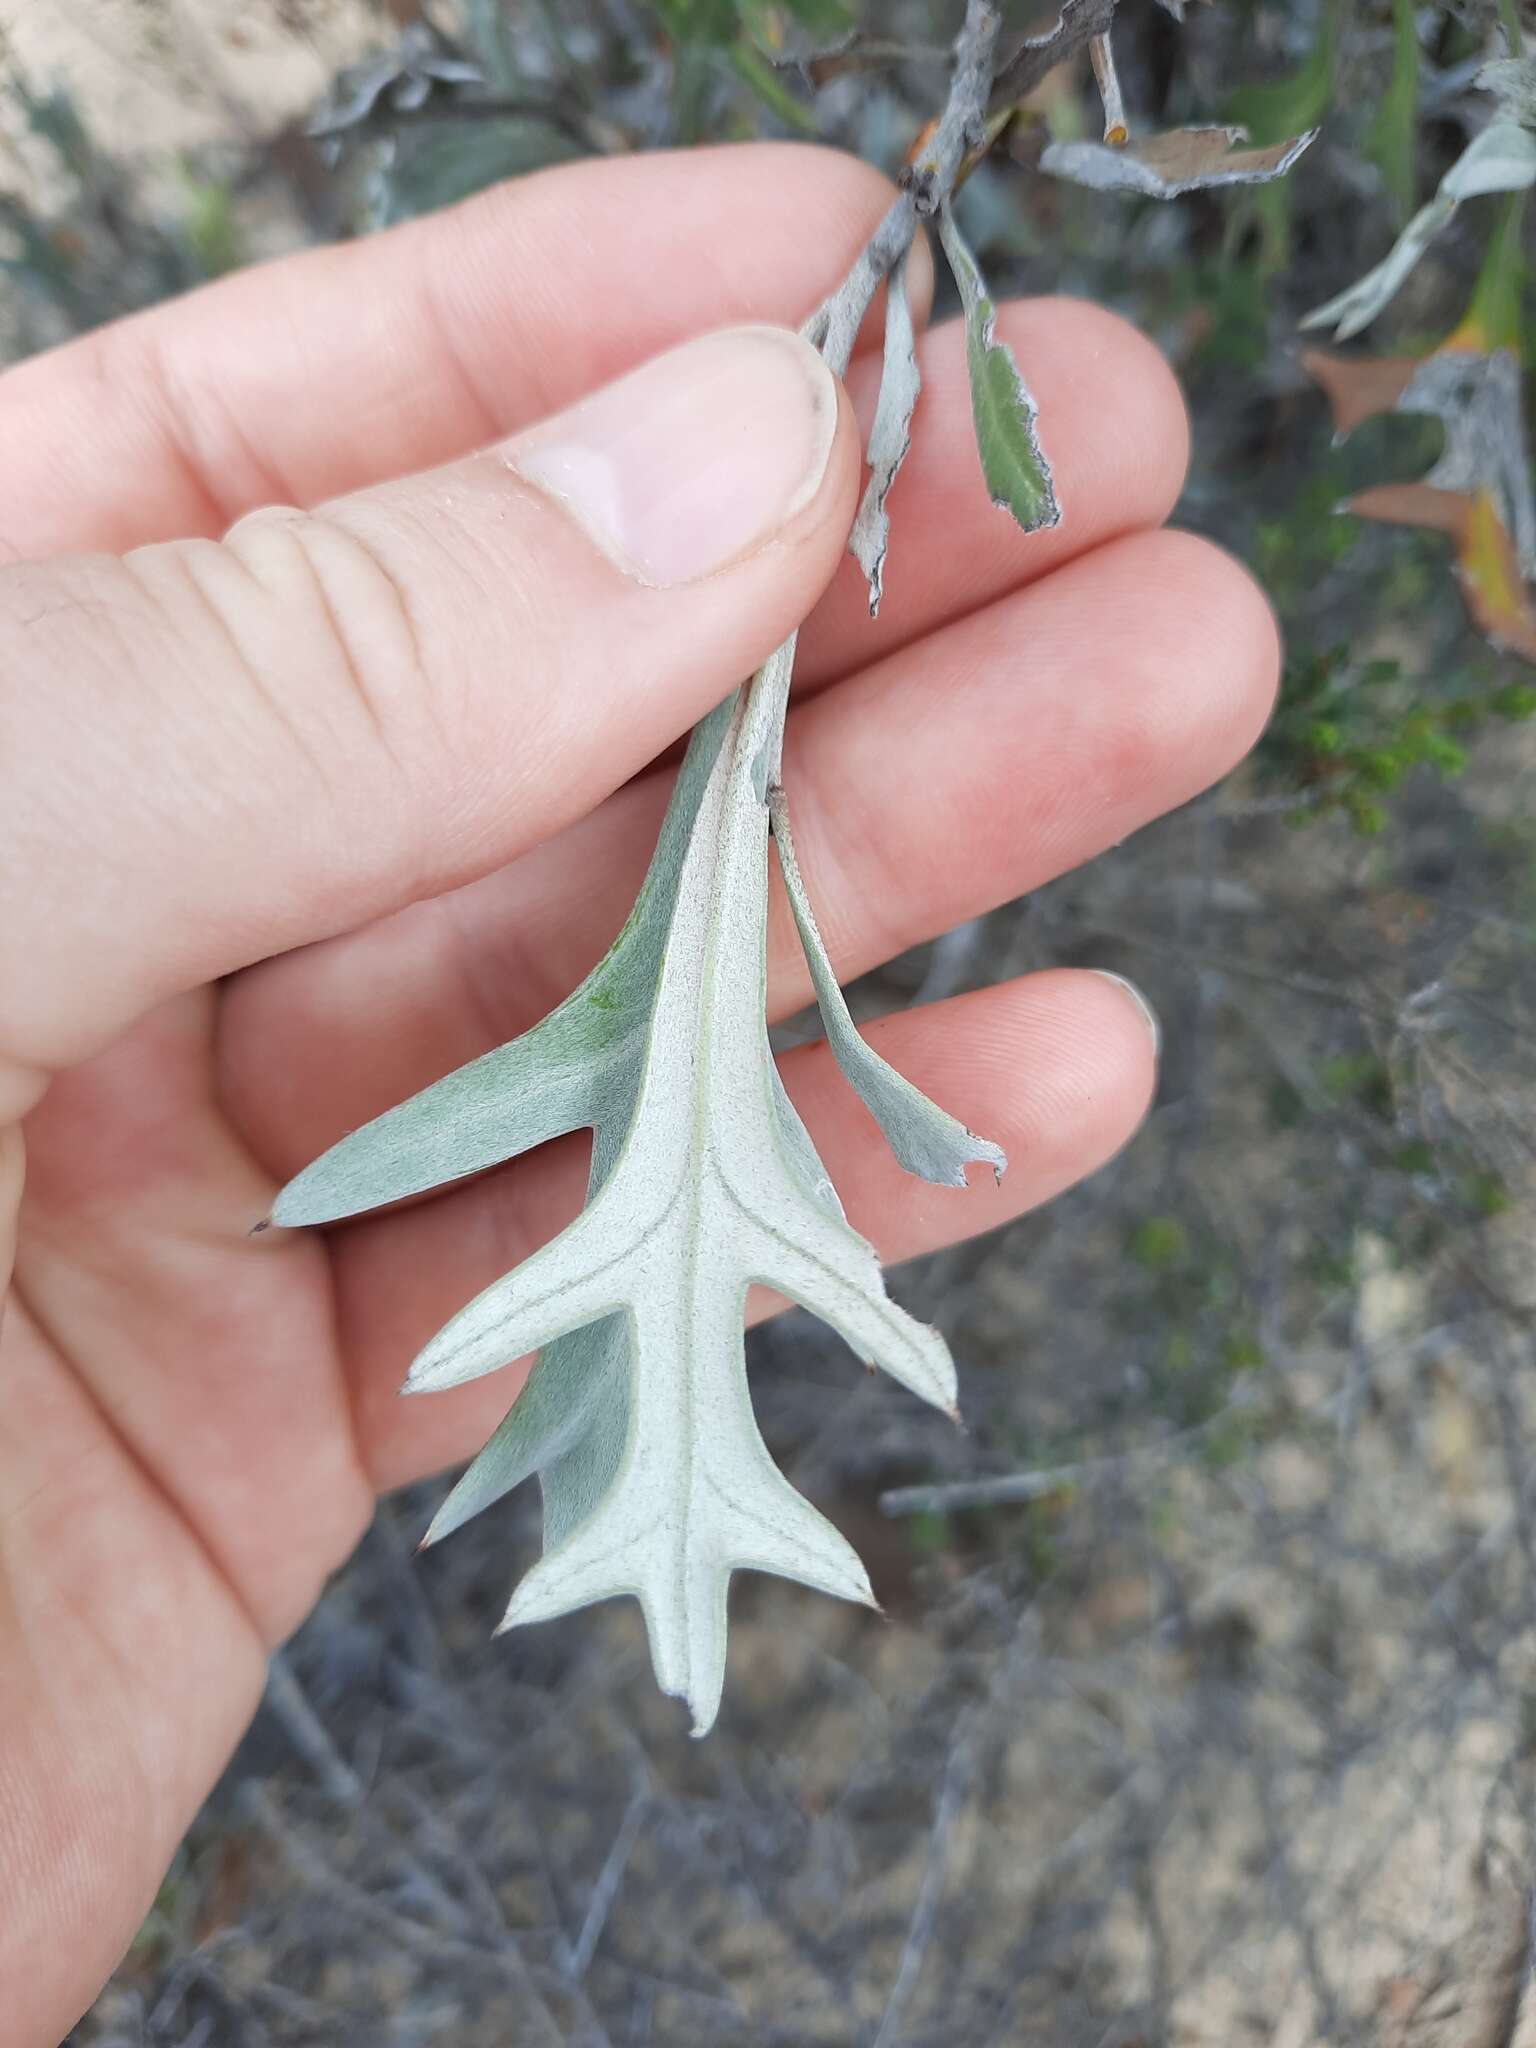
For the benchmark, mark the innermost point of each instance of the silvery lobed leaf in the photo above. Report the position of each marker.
(636, 1416)
(1501, 159)
(925, 1139)
(1164, 166)
(890, 436)
(708, 1193)
(1017, 474)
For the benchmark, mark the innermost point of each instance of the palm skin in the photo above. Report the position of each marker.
(233, 926)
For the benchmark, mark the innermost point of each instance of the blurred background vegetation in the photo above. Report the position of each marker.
(1204, 1710)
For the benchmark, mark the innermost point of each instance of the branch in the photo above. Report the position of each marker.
(1081, 22)
(926, 184)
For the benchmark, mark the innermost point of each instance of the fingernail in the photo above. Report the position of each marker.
(1145, 1010)
(695, 459)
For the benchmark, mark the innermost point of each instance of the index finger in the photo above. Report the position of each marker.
(330, 371)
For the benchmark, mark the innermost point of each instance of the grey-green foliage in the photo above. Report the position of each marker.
(1502, 158)
(636, 1416)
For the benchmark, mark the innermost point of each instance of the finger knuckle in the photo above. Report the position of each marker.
(347, 616)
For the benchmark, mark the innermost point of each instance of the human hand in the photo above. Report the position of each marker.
(298, 820)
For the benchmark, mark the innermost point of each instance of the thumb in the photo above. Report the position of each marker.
(212, 751)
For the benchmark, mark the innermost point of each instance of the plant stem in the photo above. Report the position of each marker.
(833, 328)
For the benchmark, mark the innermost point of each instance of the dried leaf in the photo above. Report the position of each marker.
(889, 437)
(1496, 593)
(1411, 504)
(1164, 166)
(1479, 491)
(1487, 566)
(1358, 387)
(1476, 395)
(1012, 460)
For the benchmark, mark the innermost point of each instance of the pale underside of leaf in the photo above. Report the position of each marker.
(889, 437)
(1165, 166)
(569, 1423)
(1017, 474)
(637, 1415)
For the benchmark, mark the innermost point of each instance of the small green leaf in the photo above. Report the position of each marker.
(1012, 460)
